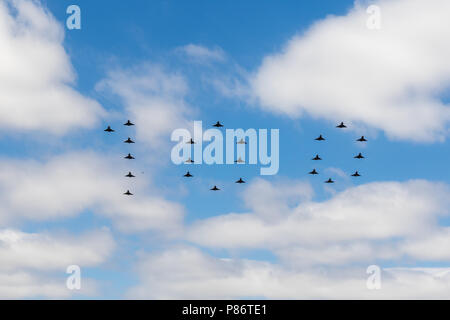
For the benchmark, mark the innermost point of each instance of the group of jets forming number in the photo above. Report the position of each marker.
(358, 156)
(239, 160)
(129, 156)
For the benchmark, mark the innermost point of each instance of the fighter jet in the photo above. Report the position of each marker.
(341, 126)
(218, 125)
(320, 138)
(109, 129)
(240, 181)
(189, 160)
(128, 141)
(362, 139)
(190, 142)
(129, 175)
(313, 172)
(188, 175)
(129, 157)
(128, 193)
(359, 156)
(128, 124)
(242, 141)
(214, 189)
(356, 174)
(239, 160)
(329, 181)
(317, 158)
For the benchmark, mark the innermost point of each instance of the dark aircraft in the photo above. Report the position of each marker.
(218, 125)
(313, 172)
(188, 175)
(190, 142)
(359, 156)
(317, 158)
(341, 126)
(242, 141)
(356, 174)
(129, 175)
(129, 141)
(240, 181)
(239, 160)
(214, 189)
(129, 156)
(362, 139)
(320, 138)
(329, 181)
(109, 129)
(128, 193)
(128, 123)
(189, 160)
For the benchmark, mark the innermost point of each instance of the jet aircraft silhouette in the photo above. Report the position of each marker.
(109, 129)
(218, 125)
(240, 181)
(188, 175)
(128, 124)
(320, 138)
(317, 158)
(341, 126)
(356, 174)
(362, 139)
(128, 193)
(329, 181)
(214, 189)
(313, 172)
(128, 141)
(129, 156)
(130, 175)
(242, 141)
(359, 156)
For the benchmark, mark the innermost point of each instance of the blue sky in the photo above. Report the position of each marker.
(300, 67)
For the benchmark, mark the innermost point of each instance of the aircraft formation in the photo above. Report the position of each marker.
(128, 156)
(320, 138)
(359, 156)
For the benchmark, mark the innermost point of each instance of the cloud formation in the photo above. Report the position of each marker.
(36, 75)
(69, 184)
(188, 273)
(380, 220)
(34, 265)
(389, 79)
(323, 248)
(202, 54)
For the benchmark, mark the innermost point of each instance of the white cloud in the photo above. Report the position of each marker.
(36, 75)
(187, 273)
(202, 54)
(153, 99)
(382, 220)
(21, 250)
(388, 79)
(429, 246)
(34, 265)
(278, 197)
(69, 184)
